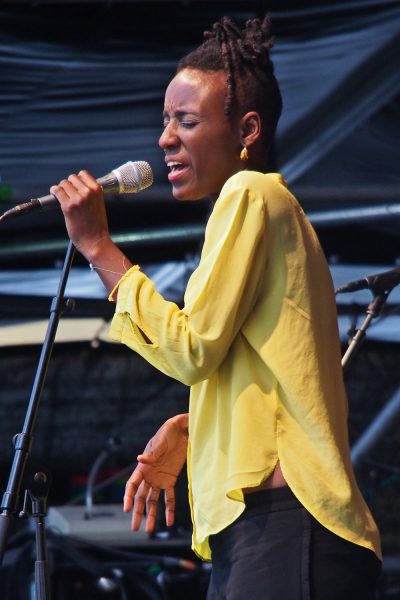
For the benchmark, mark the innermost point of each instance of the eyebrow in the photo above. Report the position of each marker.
(180, 113)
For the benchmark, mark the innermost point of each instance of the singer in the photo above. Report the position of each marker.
(274, 500)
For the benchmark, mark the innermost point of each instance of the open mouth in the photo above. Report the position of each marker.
(175, 166)
(176, 170)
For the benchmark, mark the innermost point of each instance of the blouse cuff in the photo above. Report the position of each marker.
(126, 275)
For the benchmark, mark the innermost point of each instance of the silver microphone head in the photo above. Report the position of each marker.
(133, 176)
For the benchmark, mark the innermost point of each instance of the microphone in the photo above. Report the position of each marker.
(129, 178)
(379, 283)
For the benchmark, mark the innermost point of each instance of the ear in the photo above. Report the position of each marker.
(250, 128)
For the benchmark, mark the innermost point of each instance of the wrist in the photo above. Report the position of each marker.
(95, 249)
(107, 260)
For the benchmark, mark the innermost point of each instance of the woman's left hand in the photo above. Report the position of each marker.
(158, 468)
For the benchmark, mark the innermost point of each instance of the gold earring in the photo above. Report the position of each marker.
(244, 155)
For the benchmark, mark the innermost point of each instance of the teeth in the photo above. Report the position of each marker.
(173, 163)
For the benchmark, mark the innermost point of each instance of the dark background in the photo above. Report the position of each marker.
(81, 86)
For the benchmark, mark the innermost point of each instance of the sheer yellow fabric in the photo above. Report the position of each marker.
(257, 341)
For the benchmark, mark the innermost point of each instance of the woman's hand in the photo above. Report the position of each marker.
(158, 468)
(82, 202)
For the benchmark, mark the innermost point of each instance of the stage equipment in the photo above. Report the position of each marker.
(23, 442)
(140, 177)
(380, 284)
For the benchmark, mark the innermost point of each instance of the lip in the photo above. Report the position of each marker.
(176, 176)
(171, 158)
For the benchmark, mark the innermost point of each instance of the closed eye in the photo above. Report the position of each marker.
(182, 118)
(188, 124)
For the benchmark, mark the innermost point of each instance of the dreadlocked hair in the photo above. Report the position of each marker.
(244, 55)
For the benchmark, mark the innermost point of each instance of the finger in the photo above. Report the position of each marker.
(78, 182)
(85, 184)
(89, 180)
(58, 192)
(131, 489)
(151, 508)
(64, 190)
(169, 498)
(139, 505)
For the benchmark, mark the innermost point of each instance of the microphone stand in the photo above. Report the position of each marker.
(23, 443)
(380, 285)
(373, 310)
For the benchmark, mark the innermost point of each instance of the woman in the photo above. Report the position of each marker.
(273, 496)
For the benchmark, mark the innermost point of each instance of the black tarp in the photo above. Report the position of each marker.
(82, 87)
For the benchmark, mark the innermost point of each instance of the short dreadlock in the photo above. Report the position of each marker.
(244, 56)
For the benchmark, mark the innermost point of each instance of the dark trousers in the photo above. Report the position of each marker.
(277, 551)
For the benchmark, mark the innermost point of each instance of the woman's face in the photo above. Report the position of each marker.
(201, 145)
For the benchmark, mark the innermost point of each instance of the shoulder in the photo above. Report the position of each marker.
(263, 185)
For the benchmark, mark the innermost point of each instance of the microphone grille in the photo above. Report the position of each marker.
(134, 176)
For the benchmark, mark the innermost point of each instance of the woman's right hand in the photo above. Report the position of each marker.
(158, 468)
(82, 201)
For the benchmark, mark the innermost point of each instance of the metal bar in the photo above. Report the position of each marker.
(386, 419)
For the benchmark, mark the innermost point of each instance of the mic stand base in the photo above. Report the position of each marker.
(39, 510)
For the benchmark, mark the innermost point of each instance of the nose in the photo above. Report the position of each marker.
(169, 137)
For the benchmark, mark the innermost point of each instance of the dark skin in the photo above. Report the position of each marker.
(202, 149)
(158, 469)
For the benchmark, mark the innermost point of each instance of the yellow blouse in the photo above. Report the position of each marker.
(257, 341)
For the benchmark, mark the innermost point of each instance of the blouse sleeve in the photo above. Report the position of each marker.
(190, 343)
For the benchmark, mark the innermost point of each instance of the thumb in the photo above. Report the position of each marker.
(146, 459)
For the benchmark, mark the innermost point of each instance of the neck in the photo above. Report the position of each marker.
(258, 162)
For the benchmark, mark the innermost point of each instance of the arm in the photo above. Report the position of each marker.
(190, 343)
(187, 344)
(158, 468)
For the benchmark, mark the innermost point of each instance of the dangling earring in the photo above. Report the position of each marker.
(244, 155)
